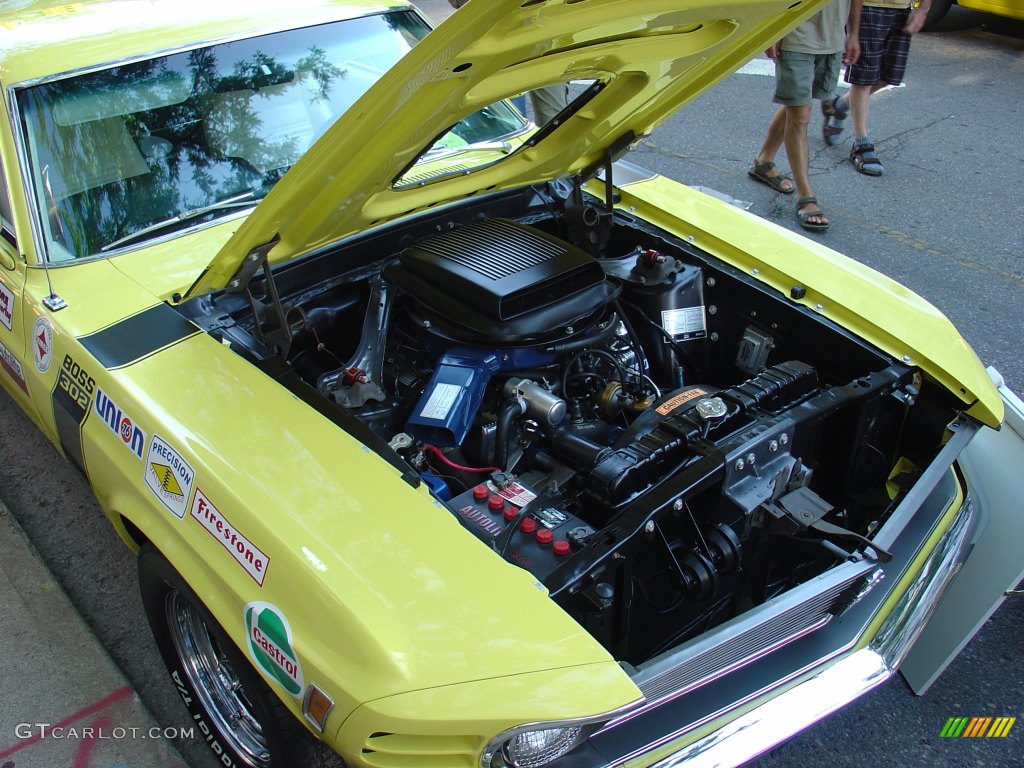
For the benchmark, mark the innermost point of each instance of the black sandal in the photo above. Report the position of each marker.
(760, 172)
(865, 160)
(832, 127)
(805, 216)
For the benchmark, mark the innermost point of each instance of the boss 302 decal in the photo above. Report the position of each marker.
(72, 396)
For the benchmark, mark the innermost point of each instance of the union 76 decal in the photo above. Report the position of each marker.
(119, 422)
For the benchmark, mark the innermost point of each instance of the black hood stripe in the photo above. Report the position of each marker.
(139, 336)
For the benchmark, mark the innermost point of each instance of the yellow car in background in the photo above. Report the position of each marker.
(453, 440)
(1012, 9)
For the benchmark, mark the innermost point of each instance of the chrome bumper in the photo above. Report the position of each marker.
(818, 696)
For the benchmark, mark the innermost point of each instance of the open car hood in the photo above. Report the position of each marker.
(650, 56)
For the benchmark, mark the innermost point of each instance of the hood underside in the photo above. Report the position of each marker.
(647, 57)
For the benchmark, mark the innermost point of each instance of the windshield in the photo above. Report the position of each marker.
(144, 149)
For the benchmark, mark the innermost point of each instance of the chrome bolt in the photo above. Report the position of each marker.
(784, 438)
(711, 282)
(712, 309)
(773, 446)
(755, 271)
(751, 458)
(740, 464)
(906, 359)
(677, 505)
(649, 528)
(819, 307)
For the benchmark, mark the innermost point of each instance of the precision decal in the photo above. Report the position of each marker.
(42, 344)
(169, 476)
(12, 365)
(72, 396)
(247, 554)
(6, 307)
(120, 423)
(139, 336)
(270, 645)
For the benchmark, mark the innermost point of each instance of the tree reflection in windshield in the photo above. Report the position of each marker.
(116, 151)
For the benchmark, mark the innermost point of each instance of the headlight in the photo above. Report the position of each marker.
(531, 749)
(537, 744)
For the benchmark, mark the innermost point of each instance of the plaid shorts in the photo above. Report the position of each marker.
(883, 47)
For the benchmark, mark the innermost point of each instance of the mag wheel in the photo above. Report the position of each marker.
(234, 711)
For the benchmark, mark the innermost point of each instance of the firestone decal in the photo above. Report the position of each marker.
(169, 476)
(42, 344)
(247, 554)
(119, 422)
(6, 307)
(12, 365)
(270, 645)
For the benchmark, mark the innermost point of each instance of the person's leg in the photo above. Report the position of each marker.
(797, 151)
(794, 76)
(765, 158)
(859, 100)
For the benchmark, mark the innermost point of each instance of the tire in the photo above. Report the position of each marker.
(936, 13)
(232, 708)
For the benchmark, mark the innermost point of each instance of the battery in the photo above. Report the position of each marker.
(543, 539)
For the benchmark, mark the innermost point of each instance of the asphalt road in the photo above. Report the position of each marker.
(945, 220)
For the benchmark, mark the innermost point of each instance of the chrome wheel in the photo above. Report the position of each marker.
(214, 681)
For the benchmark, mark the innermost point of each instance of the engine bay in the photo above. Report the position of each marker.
(659, 438)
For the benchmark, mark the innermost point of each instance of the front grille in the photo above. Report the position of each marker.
(753, 635)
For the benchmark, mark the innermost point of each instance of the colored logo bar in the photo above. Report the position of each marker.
(975, 727)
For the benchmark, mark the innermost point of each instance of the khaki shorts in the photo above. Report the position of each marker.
(801, 77)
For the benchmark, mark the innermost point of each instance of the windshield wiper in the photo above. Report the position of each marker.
(244, 200)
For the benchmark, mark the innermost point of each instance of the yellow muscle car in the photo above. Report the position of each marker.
(454, 440)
